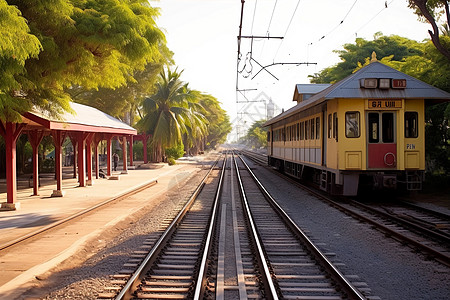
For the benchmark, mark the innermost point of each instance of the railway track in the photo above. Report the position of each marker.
(299, 269)
(419, 228)
(172, 265)
(422, 229)
(222, 248)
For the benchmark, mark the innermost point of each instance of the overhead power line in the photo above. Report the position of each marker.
(386, 5)
(340, 23)
(289, 25)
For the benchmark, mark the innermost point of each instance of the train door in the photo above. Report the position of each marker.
(381, 140)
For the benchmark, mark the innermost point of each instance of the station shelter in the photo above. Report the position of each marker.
(85, 126)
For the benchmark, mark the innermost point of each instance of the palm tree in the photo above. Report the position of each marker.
(196, 124)
(166, 113)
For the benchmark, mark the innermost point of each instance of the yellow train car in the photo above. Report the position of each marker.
(366, 130)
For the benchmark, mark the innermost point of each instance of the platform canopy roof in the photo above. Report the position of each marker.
(350, 88)
(83, 118)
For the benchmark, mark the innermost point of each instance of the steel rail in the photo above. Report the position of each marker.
(126, 291)
(201, 277)
(440, 256)
(351, 291)
(269, 286)
(404, 222)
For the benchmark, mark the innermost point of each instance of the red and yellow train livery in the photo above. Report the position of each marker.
(366, 130)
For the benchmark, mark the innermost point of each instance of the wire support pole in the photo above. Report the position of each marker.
(239, 44)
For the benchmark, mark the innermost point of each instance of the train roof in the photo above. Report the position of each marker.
(350, 88)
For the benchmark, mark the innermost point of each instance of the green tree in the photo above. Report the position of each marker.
(356, 54)
(195, 123)
(122, 102)
(17, 45)
(256, 136)
(92, 44)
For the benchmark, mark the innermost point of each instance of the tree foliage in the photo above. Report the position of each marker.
(256, 136)
(81, 43)
(176, 115)
(356, 54)
(17, 45)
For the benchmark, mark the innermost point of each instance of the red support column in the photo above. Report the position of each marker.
(81, 141)
(97, 140)
(89, 138)
(58, 140)
(124, 155)
(108, 154)
(35, 138)
(11, 132)
(131, 150)
(73, 140)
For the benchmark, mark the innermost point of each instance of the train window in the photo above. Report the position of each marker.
(318, 128)
(302, 131)
(312, 128)
(306, 130)
(295, 131)
(330, 127)
(373, 127)
(411, 119)
(352, 124)
(387, 120)
(335, 126)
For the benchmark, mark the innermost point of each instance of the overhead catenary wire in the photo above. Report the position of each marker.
(287, 29)
(386, 5)
(270, 23)
(340, 23)
(254, 13)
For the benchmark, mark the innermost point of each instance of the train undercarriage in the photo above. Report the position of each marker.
(350, 183)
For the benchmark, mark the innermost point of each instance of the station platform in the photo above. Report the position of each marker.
(37, 212)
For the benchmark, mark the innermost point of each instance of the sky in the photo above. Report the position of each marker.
(203, 36)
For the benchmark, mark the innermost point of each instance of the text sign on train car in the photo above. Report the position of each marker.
(398, 83)
(384, 104)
